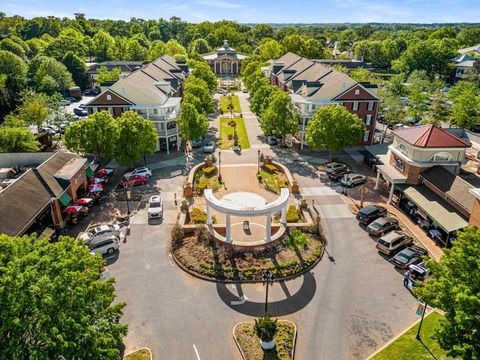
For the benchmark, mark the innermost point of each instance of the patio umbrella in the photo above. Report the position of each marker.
(105, 172)
(96, 180)
(95, 188)
(72, 209)
(83, 201)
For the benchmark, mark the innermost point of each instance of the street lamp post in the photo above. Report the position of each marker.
(421, 321)
(267, 279)
(258, 162)
(220, 167)
(127, 196)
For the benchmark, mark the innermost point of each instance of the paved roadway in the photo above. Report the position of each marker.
(347, 307)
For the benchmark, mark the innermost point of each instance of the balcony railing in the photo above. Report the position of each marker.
(168, 132)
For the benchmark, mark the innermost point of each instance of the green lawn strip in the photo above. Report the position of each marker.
(224, 104)
(270, 180)
(142, 354)
(250, 343)
(407, 347)
(226, 129)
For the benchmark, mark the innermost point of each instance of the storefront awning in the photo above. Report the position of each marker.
(436, 208)
(65, 199)
(89, 172)
(391, 174)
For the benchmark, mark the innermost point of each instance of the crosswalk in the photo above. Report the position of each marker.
(327, 202)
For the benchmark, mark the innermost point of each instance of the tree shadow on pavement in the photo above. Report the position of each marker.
(426, 348)
(291, 304)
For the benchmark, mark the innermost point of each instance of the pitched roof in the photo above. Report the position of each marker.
(430, 136)
(475, 48)
(452, 185)
(125, 66)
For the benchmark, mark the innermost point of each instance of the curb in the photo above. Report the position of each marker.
(142, 348)
(399, 335)
(279, 320)
(228, 281)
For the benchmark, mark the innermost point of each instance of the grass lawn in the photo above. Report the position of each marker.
(225, 100)
(226, 129)
(407, 347)
(141, 354)
(272, 181)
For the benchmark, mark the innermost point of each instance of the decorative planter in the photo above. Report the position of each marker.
(267, 345)
(187, 190)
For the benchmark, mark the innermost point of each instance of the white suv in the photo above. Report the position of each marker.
(100, 230)
(142, 171)
(104, 245)
(155, 207)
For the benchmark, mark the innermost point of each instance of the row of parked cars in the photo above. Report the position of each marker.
(391, 240)
(341, 172)
(102, 239)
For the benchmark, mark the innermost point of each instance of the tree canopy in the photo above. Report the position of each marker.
(192, 124)
(280, 118)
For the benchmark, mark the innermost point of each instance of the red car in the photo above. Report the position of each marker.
(134, 180)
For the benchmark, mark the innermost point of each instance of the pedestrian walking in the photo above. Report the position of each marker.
(406, 278)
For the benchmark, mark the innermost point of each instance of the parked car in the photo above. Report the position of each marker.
(197, 142)
(209, 147)
(80, 112)
(82, 106)
(49, 130)
(222, 91)
(418, 272)
(272, 140)
(370, 213)
(100, 230)
(104, 245)
(155, 207)
(353, 179)
(338, 175)
(95, 91)
(382, 225)
(244, 90)
(392, 242)
(143, 171)
(71, 99)
(409, 256)
(334, 166)
(134, 180)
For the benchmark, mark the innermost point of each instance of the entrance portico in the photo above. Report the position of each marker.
(392, 175)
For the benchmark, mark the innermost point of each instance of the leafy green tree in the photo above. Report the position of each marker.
(393, 111)
(50, 69)
(76, 66)
(35, 47)
(469, 37)
(173, 47)
(17, 139)
(362, 75)
(334, 128)
(137, 137)
(261, 99)
(199, 88)
(13, 76)
(269, 50)
(201, 70)
(103, 44)
(455, 288)
(466, 104)
(104, 75)
(135, 51)
(97, 135)
(439, 109)
(60, 45)
(280, 117)
(157, 49)
(198, 46)
(54, 304)
(192, 124)
(34, 108)
(13, 47)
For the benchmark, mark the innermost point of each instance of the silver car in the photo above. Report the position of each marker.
(104, 245)
(335, 167)
(353, 179)
(100, 231)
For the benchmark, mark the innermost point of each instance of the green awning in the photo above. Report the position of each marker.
(65, 199)
(89, 172)
(436, 208)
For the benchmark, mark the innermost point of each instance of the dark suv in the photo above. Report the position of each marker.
(370, 213)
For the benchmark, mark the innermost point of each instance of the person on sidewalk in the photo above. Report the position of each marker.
(406, 278)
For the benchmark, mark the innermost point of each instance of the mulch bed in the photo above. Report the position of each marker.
(207, 259)
(249, 343)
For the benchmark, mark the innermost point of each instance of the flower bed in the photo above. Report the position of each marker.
(286, 259)
(272, 179)
(249, 343)
(206, 178)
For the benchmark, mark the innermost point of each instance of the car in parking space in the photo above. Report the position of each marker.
(382, 225)
(100, 230)
(245, 90)
(370, 213)
(209, 147)
(334, 166)
(197, 142)
(82, 106)
(155, 207)
(50, 130)
(418, 272)
(338, 175)
(143, 171)
(353, 179)
(104, 245)
(393, 242)
(272, 140)
(222, 91)
(134, 180)
(80, 112)
(409, 256)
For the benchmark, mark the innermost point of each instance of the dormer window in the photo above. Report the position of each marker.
(109, 97)
(357, 92)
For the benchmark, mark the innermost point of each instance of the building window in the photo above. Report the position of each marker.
(368, 120)
(399, 164)
(366, 135)
(357, 92)
(355, 105)
(402, 148)
(442, 156)
(370, 105)
(109, 97)
(314, 107)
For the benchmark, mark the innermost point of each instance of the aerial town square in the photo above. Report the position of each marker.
(226, 179)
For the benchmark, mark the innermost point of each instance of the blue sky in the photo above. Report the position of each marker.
(255, 11)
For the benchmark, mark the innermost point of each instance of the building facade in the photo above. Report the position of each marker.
(225, 61)
(312, 85)
(153, 91)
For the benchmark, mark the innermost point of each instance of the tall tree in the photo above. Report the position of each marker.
(439, 109)
(333, 128)
(173, 47)
(34, 108)
(455, 288)
(96, 135)
(137, 137)
(198, 46)
(13, 78)
(105, 75)
(156, 50)
(192, 124)
(17, 139)
(199, 88)
(103, 44)
(54, 304)
(393, 111)
(466, 104)
(51, 76)
(261, 99)
(280, 117)
(76, 66)
(200, 69)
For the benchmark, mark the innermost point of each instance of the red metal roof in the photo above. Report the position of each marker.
(430, 136)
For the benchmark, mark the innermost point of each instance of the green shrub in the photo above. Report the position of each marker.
(177, 233)
(297, 239)
(282, 183)
(209, 171)
(266, 328)
(202, 184)
(292, 214)
(198, 216)
(202, 234)
(270, 168)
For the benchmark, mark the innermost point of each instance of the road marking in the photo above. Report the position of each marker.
(196, 352)
(242, 300)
